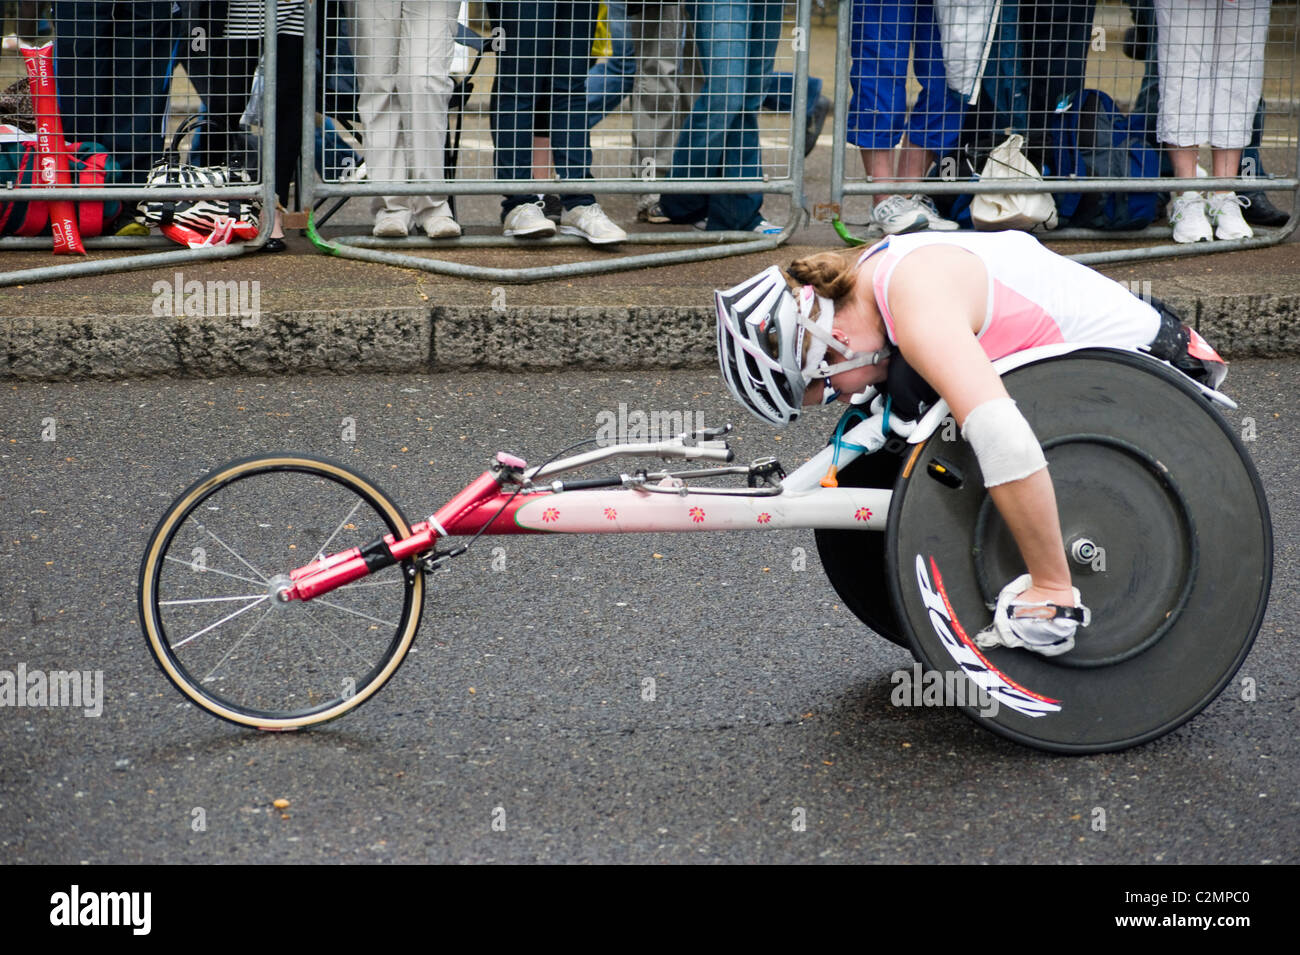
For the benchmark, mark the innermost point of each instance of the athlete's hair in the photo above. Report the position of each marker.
(829, 273)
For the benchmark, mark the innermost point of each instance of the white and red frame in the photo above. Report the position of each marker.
(495, 504)
(660, 503)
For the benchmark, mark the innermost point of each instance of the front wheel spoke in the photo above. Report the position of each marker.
(212, 570)
(260, 576)
(320, 551)
(232, 616)
(207, 600)
(235, 646)
(355, 613)
(340, 641)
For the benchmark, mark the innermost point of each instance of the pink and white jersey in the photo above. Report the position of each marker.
(1035, 297)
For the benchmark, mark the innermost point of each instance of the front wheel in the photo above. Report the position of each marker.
(211, 572)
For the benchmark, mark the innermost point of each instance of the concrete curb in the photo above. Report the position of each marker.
(1247, 326)
(456, 337)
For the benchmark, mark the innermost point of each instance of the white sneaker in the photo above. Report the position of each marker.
(592, 224)
(438, 222)
(1044, 628)
(1187, 216)
(528, 221)
(935, 222)
(392, 225)
(1225, 212)
(899, 214)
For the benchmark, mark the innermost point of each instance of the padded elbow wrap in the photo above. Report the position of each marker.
(1003, 442)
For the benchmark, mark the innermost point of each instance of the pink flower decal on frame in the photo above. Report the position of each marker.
(862, 514)
(697, 515)
(610, 514)
(551, 514)
(764, 517)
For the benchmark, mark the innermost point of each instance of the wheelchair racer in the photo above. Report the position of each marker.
(927, 313)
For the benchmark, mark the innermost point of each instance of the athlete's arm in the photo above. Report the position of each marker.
(938, 296)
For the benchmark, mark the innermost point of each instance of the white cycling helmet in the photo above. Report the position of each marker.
(770, 347)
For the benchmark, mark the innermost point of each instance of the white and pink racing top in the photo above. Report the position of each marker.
(1035, 297)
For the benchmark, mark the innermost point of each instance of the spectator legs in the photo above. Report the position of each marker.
(736, 42)
(403, 51)
(546, 51)
(657, 101)
(574, 26)
(113, 65)
(610, 80)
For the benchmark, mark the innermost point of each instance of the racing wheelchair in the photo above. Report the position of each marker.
(282, 591)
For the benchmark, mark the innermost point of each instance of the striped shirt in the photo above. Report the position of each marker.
(246, 19)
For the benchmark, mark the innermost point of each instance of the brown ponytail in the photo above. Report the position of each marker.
(831, 274)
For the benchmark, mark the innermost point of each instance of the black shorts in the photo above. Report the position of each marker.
(1173, 343)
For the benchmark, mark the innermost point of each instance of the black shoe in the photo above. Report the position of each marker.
(1261, 211)
(552, 208)
(274, 245)
(816, 120)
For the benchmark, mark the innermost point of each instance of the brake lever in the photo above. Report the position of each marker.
(700, 435)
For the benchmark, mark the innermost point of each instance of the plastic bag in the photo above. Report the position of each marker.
(253, 111)
(1026, 211)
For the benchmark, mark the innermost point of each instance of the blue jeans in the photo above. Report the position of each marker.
(610, 80)
(778, 93)
(736, 42)
(546, 55)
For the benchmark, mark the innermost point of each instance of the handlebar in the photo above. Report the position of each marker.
(691, 448)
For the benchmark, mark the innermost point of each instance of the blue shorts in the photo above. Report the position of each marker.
(884, 33)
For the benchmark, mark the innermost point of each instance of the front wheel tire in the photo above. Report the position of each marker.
(208, 583)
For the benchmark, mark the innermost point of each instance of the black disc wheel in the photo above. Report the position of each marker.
(854, 561)
(221, 555)
(1167, 532)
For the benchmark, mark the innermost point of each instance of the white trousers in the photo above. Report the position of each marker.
(403, 51)
(1211, 55)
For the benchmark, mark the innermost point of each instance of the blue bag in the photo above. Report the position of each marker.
(1093, 138)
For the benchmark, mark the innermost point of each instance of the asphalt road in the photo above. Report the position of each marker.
(523, 702)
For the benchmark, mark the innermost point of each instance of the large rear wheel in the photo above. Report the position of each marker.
(1168, 534)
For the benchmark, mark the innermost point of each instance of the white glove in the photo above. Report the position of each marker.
(1043, 629)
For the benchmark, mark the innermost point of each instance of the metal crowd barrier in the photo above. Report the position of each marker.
(127, 83)
(1014, 66)
(983, 69)
(540, 85)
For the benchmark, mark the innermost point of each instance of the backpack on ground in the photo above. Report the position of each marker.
(1094, 139)
(90, 165)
